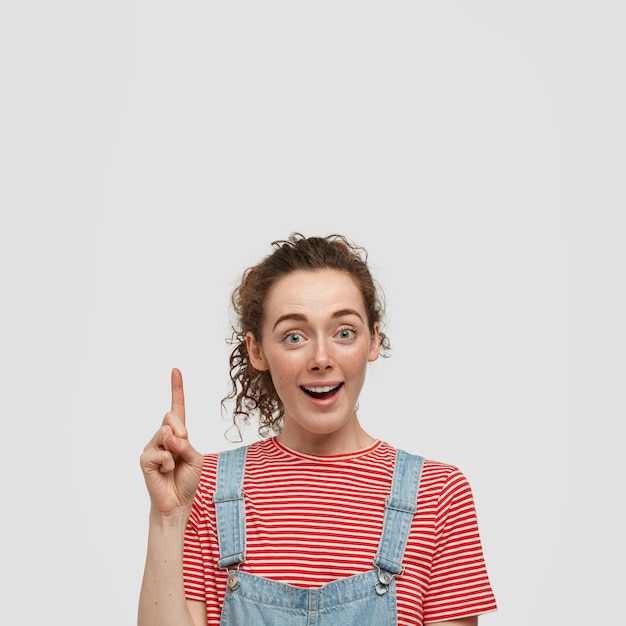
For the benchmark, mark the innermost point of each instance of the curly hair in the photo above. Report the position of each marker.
(253, 390)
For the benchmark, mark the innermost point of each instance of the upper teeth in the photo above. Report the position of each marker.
(321, 389)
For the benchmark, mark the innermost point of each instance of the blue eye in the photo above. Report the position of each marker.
(293, 338)
(346, 334)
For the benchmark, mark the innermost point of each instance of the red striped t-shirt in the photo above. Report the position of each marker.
(313, 519)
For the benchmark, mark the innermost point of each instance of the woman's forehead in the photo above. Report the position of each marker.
(305, 289)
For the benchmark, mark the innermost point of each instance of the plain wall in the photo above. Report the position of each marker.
(151, 151)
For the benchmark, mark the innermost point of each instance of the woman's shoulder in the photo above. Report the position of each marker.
(211, 459)
(439, 476)
(430, 465)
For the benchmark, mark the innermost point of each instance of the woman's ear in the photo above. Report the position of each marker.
(255, 354)
(375, 344)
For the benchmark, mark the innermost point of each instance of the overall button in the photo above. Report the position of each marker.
(384, 577)
(381, 590)
(233, 580)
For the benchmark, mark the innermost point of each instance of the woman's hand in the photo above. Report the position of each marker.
(170, 465)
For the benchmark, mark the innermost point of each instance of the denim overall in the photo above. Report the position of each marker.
(368, 598)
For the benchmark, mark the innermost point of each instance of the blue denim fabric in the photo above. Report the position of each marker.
(364, 599)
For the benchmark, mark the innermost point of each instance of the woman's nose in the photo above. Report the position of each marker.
(321, 359)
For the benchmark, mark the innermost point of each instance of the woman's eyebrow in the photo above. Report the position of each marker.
(344, 312)
(298, 317)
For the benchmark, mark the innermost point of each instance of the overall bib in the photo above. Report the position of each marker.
(363, 599)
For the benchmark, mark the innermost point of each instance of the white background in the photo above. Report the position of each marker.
(151, 151)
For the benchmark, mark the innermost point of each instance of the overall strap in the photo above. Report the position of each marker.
(230, 509)
(400, 507)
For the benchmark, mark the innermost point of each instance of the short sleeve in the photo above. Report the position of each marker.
(459, 585)
(203, 581)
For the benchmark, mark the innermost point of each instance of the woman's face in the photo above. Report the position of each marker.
(316, 345)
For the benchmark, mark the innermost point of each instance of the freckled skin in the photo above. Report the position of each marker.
(316, 333)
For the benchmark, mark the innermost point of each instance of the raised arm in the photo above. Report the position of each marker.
(171, 469)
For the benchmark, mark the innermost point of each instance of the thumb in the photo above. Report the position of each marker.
(183, 450)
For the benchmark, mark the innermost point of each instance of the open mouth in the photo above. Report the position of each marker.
(322, 392)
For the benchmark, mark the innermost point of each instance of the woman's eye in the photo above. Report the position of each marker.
(346, 334)
(293, 338)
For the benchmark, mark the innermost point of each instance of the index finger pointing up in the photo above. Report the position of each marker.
(178, 395)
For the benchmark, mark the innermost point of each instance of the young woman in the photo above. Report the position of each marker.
(319, 522)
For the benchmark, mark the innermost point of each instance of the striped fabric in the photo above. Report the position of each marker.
(313, 519)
